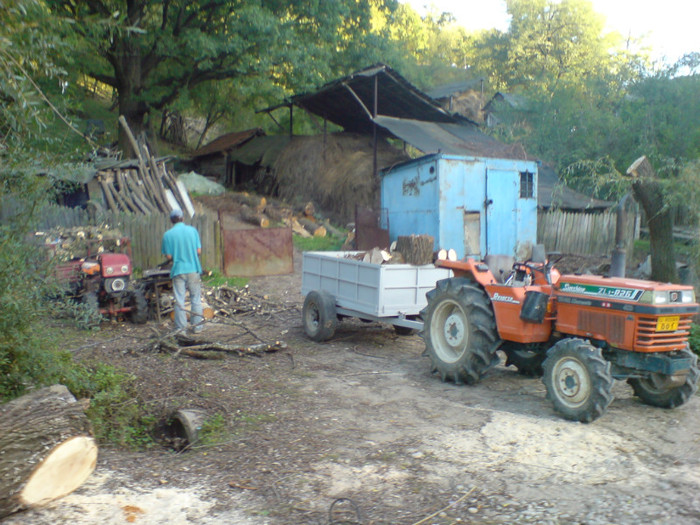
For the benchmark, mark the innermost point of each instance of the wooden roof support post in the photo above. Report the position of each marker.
(374, 126)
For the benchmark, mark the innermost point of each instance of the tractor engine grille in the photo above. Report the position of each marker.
(647, 336)
(611, 327)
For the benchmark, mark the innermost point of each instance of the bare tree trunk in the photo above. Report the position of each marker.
(648, 192)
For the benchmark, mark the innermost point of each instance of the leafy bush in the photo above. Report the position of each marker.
(116, 411)
(318, 244)
(694, 339)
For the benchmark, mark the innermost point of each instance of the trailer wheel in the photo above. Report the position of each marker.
(578, 380)
(661, 391)
(139, 307)
(318, 315)
(459, 331)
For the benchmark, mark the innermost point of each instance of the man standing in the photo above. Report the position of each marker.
(182, 246)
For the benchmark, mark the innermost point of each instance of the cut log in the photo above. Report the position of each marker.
(335, 232)
(416, 249)
(251, 216)
(312, 227)
(296, 227)
(309, 209)
(46, 450)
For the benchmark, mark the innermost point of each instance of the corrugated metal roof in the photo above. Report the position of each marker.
(553, 194)
(349, 101)
(227, 141)
(454, 139)
(263, 149)
(453, 88)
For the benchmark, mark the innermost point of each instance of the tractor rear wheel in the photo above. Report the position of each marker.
(578, 380)
(659, 390)
(139, 307)
(459, 331)
(319, 316)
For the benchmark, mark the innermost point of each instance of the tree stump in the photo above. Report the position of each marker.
(416, 249)
(46, 450)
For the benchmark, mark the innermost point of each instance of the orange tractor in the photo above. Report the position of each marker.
(579, 331)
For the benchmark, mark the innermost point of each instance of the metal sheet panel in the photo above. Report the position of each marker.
(257, 252)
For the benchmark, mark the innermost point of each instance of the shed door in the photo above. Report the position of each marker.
(472, 233)
(501, 228)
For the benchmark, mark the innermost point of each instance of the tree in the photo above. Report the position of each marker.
(150, 51)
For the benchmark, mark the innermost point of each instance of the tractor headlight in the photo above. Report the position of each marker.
(109, 270)
(117, 285)
(654, 297)
(125, 268)
(688, 296)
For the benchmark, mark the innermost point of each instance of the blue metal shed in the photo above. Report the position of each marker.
(475, 205)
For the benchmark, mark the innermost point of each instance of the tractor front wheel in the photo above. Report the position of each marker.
(578, 380)
(459, 331)
(662, 391)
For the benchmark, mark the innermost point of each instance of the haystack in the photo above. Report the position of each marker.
(335, 173)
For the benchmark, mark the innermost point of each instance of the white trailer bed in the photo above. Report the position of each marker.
(390, 293)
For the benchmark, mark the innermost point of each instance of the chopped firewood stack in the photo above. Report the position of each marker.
(79, 241)
(416, 250)
(145, 189)
(228, 301)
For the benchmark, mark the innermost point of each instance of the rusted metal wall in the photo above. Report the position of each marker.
(258, 251)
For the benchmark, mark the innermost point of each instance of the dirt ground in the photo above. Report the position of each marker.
(357, 430)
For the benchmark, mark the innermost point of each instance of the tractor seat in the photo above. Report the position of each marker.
(500, 266)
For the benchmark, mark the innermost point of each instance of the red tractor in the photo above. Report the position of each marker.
(579, 331)
(102, 282)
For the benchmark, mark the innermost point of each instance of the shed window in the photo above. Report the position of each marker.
(527, 185)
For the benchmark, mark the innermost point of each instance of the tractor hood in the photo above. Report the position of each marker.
(623, 289)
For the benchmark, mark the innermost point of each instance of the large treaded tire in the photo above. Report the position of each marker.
(139, 307)
(459, 331)
(653, 390)
(578, 380)
(319, 316)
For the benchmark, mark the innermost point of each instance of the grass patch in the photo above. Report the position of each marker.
(215, 278)
(318, 244)
(213, 430)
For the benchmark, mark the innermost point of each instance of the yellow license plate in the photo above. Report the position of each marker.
(667, 324)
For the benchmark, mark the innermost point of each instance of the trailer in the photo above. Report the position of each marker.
(337, 285)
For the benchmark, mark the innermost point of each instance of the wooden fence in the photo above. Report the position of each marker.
(580, 233)
(145, 231)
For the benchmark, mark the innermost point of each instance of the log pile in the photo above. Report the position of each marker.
(144, 186)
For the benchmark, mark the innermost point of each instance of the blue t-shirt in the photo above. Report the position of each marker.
(182, 242)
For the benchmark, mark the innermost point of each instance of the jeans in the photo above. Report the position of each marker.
(192, 283)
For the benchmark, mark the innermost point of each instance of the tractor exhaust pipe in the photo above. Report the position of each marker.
(617, 261)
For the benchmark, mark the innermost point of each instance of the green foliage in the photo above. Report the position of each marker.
(116, 412)
(213, 430)
(317, 244)
(694, 339)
